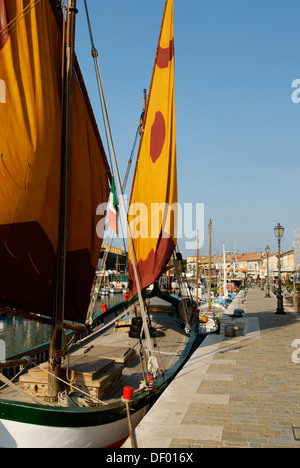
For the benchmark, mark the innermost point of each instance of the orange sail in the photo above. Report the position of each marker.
(153, 206)
(30, 167)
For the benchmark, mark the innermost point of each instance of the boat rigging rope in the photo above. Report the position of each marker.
(18, 18)
(58, 353)
(77, 389)
(95, 56)
(72, 399)
(28, 363)
(15, 387)
(76, 398)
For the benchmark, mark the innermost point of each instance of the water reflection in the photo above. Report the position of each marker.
(20, 335)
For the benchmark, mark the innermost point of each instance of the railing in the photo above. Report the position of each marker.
(40, 353)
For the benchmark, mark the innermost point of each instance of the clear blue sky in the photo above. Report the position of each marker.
(237, 127)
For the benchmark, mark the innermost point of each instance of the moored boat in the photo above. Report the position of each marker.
(25, 423)
(75, 398)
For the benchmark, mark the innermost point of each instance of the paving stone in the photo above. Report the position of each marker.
(249, 387)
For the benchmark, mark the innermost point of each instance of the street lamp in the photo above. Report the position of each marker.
(261, 277)
(262, 284)
(268, 250)
(279, 231)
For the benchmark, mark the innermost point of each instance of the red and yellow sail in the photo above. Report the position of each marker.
(30, 166)
(153, 206)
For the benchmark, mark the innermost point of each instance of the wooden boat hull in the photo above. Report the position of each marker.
(69, 429)
(26, 425)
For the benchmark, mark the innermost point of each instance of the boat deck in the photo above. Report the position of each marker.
(108, 360)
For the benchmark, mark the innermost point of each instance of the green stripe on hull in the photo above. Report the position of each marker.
(88, 417)
(65, 417)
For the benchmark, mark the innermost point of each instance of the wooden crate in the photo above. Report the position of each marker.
(105, 383)
(120, 355)
(35, 383)
(85, 368)
(98, 376)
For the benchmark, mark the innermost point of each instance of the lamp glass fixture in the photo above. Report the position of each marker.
(279, 231)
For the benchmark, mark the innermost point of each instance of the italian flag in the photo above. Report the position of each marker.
(113, 209)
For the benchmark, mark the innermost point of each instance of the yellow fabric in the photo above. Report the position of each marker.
(30, 168)
(155, 180)
(30, 134)
(30, 130)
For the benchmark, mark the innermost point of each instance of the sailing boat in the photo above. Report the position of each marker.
(210, 312)
(49, 250)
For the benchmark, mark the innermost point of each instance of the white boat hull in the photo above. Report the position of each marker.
(208, 327)
(35, 436)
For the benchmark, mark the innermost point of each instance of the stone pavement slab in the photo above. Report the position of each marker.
(234, 392)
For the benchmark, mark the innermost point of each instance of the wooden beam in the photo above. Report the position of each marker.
(20, 362)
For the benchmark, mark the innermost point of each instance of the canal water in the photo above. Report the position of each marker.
(20, 335)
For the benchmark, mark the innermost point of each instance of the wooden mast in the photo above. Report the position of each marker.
(197, 271)
(57, 331)
(209, 271)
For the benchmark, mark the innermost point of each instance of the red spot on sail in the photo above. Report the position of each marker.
(3, 23)
(153, 266)
(158, 136)
(165, 56)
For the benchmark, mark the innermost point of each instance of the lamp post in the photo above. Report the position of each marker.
(268, 250)
(262, 286)
(279, 231)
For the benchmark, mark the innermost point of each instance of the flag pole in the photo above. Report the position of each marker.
(153, 364)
